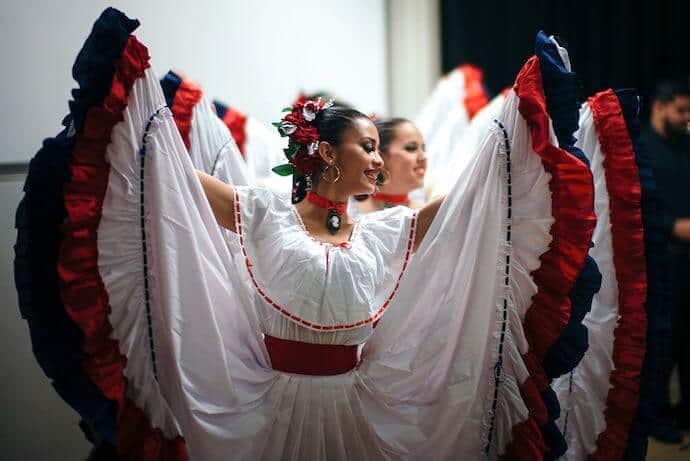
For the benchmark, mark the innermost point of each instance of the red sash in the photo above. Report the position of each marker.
(310, 359)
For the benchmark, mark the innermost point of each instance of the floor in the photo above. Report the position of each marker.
(661, 452)
(658, 451)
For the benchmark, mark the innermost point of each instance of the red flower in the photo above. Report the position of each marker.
(305, 134)
(302, 116)
(305, 163)
(294, 117)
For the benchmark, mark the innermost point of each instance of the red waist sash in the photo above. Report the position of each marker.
(310, 359)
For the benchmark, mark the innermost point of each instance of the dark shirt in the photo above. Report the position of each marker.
(671, 165)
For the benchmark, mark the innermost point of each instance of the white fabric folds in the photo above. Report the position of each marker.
(213, 149)
(425, 386)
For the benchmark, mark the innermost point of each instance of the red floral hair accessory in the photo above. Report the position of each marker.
(302, 150)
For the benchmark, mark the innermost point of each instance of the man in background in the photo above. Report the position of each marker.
(667, 143)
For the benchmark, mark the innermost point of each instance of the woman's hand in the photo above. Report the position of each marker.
(221, 197)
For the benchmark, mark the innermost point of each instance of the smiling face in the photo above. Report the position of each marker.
(357, 157)
(405, 160)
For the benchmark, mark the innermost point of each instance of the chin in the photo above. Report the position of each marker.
(366, 189)
(419, 182)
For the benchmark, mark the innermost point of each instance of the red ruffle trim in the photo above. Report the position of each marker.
(533, 447)
(622, 182)
(236, 122)
(187, 96)
(572, 203)
(475, 96)
(83, 292)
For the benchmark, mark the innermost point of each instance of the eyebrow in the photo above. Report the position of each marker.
(367, 138)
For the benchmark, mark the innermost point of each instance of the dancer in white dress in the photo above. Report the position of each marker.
(302, 334)
(403, 151)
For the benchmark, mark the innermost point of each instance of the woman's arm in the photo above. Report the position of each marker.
(424, 218)
(221, 196)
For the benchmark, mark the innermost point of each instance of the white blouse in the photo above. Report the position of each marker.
(317, 292)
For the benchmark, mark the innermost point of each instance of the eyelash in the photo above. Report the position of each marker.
(369, 148)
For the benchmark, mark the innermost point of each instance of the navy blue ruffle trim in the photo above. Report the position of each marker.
(221, 109)
(658, 306)
(561, 90)
(566, 353)
(56, 340)
(170, 83)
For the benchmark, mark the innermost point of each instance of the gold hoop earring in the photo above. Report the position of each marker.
(337, 174)
(385, 177)
(382, 179)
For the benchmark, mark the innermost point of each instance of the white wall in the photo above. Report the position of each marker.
(255, 55)
(414, 37)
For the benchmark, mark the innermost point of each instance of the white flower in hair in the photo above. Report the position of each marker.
(288, 127)
(313, 147)
(310, 110)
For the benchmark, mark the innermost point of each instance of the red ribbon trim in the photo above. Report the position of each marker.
(83, 292)
(572, 203)
(623, 185)
(187, 96)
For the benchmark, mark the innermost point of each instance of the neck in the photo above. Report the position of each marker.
(330, 192)
(319, 210)
(391, 199)
(326, 204)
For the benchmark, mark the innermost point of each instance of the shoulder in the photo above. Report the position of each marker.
(255, 205)
(391, 227)
(261, 196)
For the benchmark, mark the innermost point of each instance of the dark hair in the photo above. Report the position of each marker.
(331, 123)
(667, 90)
(386, 128)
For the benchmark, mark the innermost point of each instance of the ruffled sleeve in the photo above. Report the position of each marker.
(599, 397)
(488, 291)
(658, 305)
(142, 263)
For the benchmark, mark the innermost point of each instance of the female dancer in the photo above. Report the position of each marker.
(301, 333)
(403, 152)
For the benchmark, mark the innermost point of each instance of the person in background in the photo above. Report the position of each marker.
(668, 143)
(403, 152)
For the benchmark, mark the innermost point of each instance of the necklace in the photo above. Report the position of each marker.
(335, 211)
(390, 200)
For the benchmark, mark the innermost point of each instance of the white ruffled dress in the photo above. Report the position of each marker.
(440, 334)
